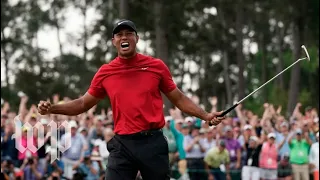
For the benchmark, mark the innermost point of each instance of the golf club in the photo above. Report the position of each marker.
(239, 102)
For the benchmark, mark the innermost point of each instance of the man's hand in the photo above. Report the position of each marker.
(44, 107)
(196, 140)
(213, 119)
(238, 165)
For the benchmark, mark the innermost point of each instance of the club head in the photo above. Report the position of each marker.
(305, 50)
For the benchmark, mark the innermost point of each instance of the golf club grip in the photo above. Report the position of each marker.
(226, 112)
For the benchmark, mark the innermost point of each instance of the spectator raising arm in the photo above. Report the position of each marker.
(23, 111)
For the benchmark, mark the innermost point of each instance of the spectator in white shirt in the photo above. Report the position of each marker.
(209, 141)
(314, 157)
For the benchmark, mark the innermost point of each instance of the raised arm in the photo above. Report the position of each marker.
(70, 108)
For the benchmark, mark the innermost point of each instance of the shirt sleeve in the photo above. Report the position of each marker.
(186, 142)
(166, 84)
(96, 88)
(238, 145)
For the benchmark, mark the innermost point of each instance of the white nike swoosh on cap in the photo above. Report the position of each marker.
(121, 22)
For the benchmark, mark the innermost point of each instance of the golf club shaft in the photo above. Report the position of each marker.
(236, 104)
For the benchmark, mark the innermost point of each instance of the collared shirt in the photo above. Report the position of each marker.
(314, 155)
(268, 156)
(77, 144)
(86, 170)
(195, 150)
(208, 144)
(29, 175)
(232, 146)
(134, 88)
(214, 158)
(285, 147)
(299, 151)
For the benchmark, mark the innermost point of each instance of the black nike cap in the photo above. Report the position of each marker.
(123, 23)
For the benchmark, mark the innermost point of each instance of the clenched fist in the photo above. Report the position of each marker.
(44, 107)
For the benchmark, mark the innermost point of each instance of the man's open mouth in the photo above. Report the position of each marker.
(124, 45)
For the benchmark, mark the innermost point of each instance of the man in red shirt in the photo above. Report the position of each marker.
(133, 82)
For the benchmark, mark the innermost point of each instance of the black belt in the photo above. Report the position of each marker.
(140, 134)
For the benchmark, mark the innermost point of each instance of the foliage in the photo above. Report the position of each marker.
(194, 33)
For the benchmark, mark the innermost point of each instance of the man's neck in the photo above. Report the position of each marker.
(127, 57)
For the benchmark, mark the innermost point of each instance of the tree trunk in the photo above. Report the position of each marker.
(124, 10)
(280, 80)
(227, 81)
(85, 33)
(295, 72)
(161, 49)
(227, 78)
(262, 48)
(240, 58)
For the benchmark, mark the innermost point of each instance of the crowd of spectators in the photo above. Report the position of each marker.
(244, 147)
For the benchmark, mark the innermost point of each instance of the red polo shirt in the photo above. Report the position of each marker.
(133, 86)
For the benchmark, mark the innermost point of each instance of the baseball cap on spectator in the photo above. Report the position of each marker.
(189, 119)
(100, 118)
(195, 126)
(227, 128)
(271, 135)
(123, 23)
(179, 121)
(299, 131)
(284, 124)
(87, 153)
(212, 127)
(203, 130)
(307, 109)
(73, 124)
(167, 118)
(33, 117)
(25, 129)
(254, 138)
(247, 127)
(81, 129)
(285, 156)
(222, 143)
(95, 156)
(184, 126)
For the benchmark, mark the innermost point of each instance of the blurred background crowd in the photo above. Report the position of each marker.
(244, 146)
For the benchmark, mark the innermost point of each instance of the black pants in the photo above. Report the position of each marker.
(146, 152)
